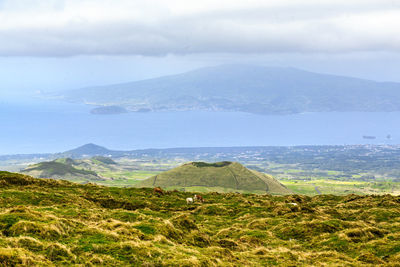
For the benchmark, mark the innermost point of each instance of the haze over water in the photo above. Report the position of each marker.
(37, 126)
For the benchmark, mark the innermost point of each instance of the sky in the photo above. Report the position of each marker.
(49, 45)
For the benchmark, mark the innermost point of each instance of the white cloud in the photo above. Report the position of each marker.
(157, 27)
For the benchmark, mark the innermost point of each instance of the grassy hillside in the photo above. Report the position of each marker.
(61, 169)
(52, 223)
(103, 160)
(67, 161)
(226, 174)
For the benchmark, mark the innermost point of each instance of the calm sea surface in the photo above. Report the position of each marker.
(43, 126)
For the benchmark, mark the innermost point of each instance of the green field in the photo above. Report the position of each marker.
(326, 186)
(125, 178)
(134, 175)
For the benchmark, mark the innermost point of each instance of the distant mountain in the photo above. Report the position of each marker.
(217, 176)
(85, 151)
(88, 150)
(254, 89)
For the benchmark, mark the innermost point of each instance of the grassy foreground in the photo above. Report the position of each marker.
(49, 222)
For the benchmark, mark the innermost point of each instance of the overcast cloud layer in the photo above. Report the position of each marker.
(159, 27)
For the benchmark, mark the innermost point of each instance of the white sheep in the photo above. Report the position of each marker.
(189, 200)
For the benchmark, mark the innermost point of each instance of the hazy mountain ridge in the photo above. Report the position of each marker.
(254, 89)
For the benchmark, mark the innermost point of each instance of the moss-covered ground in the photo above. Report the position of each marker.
(54, 223)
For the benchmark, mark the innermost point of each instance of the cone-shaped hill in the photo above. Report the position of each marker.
(226, 175)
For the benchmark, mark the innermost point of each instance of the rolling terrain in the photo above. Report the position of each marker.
(245, 88)
(71, 169)
(46, 222)
(59, 170)
(339, 170)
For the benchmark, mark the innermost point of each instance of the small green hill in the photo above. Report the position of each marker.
(231, 175)
(60, 169)
(103, 160)
(97, 161)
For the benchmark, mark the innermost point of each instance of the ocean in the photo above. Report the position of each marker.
(40, 126)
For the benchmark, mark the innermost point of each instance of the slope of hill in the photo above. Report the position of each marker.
(255, 89)
(61, 169)
(231, 175)
(103, 160)
(46, 222)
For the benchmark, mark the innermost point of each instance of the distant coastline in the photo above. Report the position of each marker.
(108, 110)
